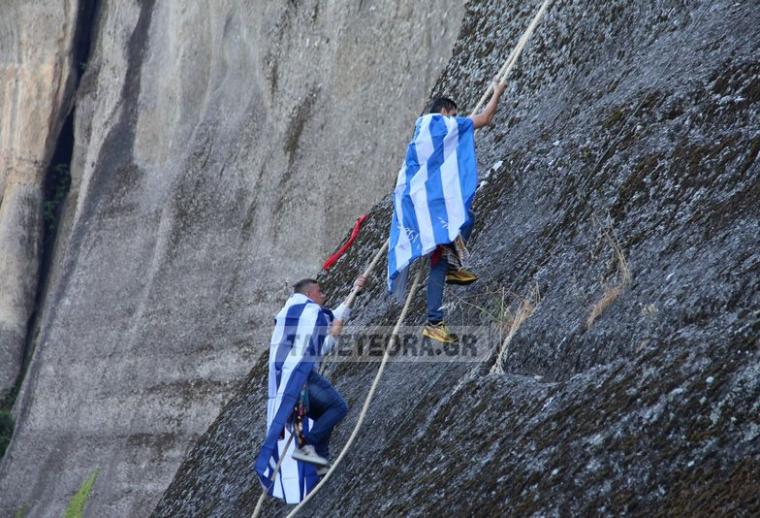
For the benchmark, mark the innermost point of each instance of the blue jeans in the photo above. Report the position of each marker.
(437, 279)
(326, 408)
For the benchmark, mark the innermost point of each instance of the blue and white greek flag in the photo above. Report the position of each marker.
(296, 346)
(434, 190)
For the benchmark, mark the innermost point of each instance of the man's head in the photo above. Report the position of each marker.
(444, 106)
(311, 289)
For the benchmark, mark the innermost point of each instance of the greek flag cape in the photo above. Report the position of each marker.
(296, 346)
(434, 191)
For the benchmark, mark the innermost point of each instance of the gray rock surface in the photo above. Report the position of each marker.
(36, 87)
(628, 142)
(221, 150)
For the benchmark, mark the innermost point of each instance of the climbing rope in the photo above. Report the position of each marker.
(355, 291)
(351, 296)
(509, 64)
(502, 76)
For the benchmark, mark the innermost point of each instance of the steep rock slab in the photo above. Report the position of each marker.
(221, 150)
(629, 136)
(36, 90)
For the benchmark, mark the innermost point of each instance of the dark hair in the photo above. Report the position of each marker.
(442, 103)
(303, 285)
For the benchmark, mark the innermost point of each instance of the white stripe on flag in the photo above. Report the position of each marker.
(452, 190)
(288, 476)
(417, 190)
(403, 248)
(306, 325)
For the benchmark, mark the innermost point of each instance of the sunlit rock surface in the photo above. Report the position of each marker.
(36, 86)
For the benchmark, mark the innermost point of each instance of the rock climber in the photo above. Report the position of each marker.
(433, 200)
(304, 332)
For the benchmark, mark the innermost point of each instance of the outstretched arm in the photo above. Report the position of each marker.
(342, 312)
(484, 118)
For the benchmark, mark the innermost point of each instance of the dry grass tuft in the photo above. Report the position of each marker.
(504, 309)
(512, 322)
(611, 293)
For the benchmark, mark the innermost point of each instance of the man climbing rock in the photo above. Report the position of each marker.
(304, 331)
(432, 203)
(326, 407)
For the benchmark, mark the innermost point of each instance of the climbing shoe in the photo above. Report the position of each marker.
(307, 453)
(462, 277)
(439, 333)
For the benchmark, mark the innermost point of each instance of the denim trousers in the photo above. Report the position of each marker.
(437, 279)
(326, 408)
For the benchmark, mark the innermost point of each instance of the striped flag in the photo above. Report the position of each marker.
(296, 346)
(434, 191)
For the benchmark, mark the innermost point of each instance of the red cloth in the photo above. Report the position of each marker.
(342, 250)
(436, 255)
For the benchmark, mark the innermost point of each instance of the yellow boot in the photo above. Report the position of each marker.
(439, 333)
(462, 277)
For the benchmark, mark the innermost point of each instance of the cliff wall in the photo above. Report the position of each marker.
(619, 215)
(37, 79)
(220, 151)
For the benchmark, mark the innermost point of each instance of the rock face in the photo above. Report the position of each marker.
(221, 149)
(36, 86)
(619, 215)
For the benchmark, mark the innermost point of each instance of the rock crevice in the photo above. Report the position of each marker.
(39, 58)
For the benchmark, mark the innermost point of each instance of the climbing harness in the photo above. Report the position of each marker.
(302, 408)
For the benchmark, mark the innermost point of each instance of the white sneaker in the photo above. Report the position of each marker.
(309, 454)
(322, 470)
